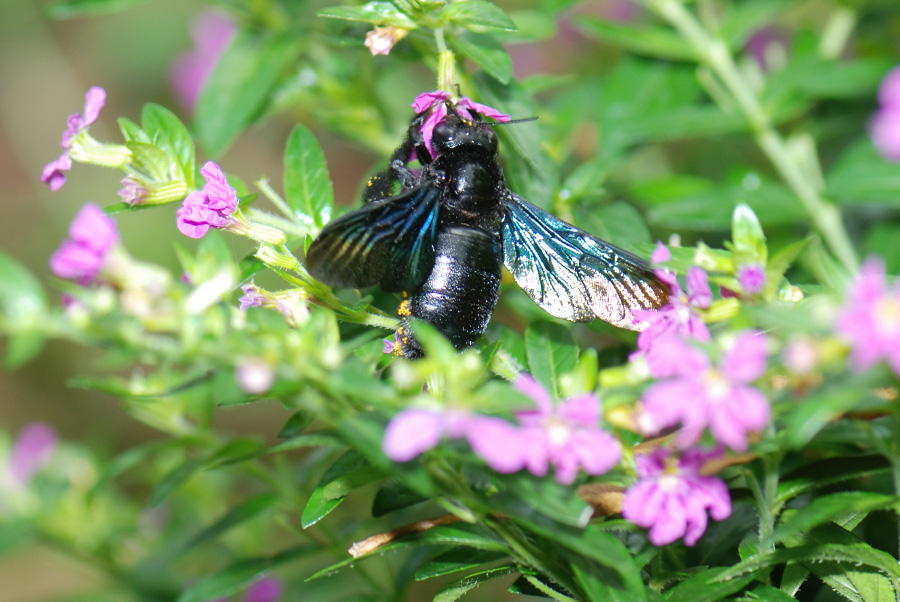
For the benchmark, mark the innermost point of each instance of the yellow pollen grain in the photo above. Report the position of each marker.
(403, 311)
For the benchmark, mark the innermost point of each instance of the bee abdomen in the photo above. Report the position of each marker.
(460, 293)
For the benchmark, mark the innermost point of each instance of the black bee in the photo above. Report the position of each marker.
(442, 239)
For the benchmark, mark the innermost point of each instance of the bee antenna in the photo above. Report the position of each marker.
(523, 120)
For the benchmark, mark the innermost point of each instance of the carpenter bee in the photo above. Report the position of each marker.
(443, 238)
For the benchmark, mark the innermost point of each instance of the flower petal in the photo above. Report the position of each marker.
(497, 442)
(94, 229)
(93, 102)
(699, 293)
(31, 451)
(426, 100)
(746, 360)
(412, 432)
(483, 109)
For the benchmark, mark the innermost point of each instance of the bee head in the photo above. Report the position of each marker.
(454, 132)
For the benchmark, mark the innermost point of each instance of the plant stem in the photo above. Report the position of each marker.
(714, 53)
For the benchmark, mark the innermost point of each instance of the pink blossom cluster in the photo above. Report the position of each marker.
(437, 103)
(54, 174)
(92, 235)
(885, 125)
(564, 435)
(210, 207)
(870, 319)
(672, 497)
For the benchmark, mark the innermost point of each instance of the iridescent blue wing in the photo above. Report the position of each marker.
(573, 275)
(388, 242)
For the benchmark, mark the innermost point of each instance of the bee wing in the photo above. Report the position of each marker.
(572, 274)
(388, 242)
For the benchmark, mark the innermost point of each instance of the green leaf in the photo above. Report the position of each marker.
(767, 593)
(852, 554)
(782, 260)
(650, 40)
(747, 235)
(66, 9)
(238, 575)
(551, 353)
(708, 586)
(296, 424)
(317, 508)
(823, 509)
(457, 589)
(853, 568)
(828, 472)
(168, 133)
(478, 13)
(487, 52)
(862, 177)
(394, 495)
(173, 480)
(22, 303)
(307, 184)
(546, 496)
(241, 513)
(240, 86)
(457, 559)
(376, 13)
(235, 451)
(472, 536)
(132, 132)
(351, 471)
(618, 223)
(150, 159)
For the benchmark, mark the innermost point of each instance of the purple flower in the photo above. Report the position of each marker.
(212, 33)
(437, 102)
(698, 395)
(209, 207)
(767, 44)
(387, 347)
(31, 451)
(884, 127)
(381, 39)
(678, 315)
(414, 431)
(752, 278)
(54, 172)
(267, 589)
(671, 498)
(870, 319)
(253, 296)
(565, 435)
(92, 235)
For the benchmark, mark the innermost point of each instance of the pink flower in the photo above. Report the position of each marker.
(54, 172)
(672, 498)
(870, 319)
(254, 375)
(677, 317)
(209, 207)
(884, 128)
(267, 589)
(387, 346)
(698, 395)
(437, 102)
(212, 33)
(414, 431)
(381, 39)
(31, 451)
(752, 278)
(92, 235)
(565, 435)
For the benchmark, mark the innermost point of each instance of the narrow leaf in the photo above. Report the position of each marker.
(307, 184)
(551, 352)
(480, 14)
(457, 589)
(487, 52)
(824, 509)
(240, 86)
(234, 517)
(650, 40)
